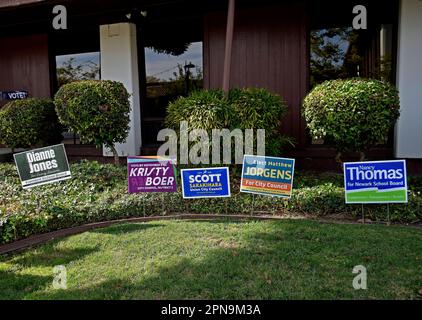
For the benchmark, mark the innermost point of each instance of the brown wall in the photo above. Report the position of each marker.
(269, 50)
(24, 65)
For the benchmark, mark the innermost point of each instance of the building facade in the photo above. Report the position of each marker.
(284, 46)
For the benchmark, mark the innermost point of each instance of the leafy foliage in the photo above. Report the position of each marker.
(96, 110)
(255, 108)
(99, 193)
(206, 109)
(250, 108)
(29, 123)
(354, 114)
(174, 48)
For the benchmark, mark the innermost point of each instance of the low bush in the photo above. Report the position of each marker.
(97, 110)
(352, 114)
(207, 109)
(29, 123)
(255, 108)
(250, 108)
(99, 193)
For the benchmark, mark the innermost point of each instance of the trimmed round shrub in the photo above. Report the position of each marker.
(29, 123)
(97, 110)
(353, 114)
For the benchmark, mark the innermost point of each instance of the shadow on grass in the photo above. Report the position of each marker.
(284, 260)
(52, 257)
(15, 285)
(287, 261)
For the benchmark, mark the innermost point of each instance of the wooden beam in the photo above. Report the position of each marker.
(229, 45)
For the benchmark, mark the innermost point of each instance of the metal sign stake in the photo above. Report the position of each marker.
(253, 205)
(143, 206)
(163, 204)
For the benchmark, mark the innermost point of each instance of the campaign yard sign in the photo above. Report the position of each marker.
(151, 174)
(42, 166)
(268, 176)
(375, 182)
(205, 183)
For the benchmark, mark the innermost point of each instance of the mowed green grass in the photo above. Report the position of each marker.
(221, 260)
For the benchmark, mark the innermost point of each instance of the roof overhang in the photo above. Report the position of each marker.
(16, 3)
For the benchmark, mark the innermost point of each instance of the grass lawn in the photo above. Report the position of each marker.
(221, 260)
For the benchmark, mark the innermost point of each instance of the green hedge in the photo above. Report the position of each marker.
(29, 123)
(99, 193)
(352, 114)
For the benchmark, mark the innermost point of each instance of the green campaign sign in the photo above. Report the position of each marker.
(42, 166)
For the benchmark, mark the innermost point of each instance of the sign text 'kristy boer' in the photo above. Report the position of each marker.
(268, 176)
(151, 174)
(206, 183)
(42, 166)
(375, 182)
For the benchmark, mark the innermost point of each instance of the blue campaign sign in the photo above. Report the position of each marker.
(375, 182)
(205, 183)
(268, 176)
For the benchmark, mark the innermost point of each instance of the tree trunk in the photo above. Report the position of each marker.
(338, 159)
(115, 154)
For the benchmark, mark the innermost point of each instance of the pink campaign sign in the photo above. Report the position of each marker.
(151, 174)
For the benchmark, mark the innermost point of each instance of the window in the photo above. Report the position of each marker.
(75, 67)
(338, 51)
(169, 75)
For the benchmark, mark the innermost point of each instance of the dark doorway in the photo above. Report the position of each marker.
(171, 66)
(168, 77)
